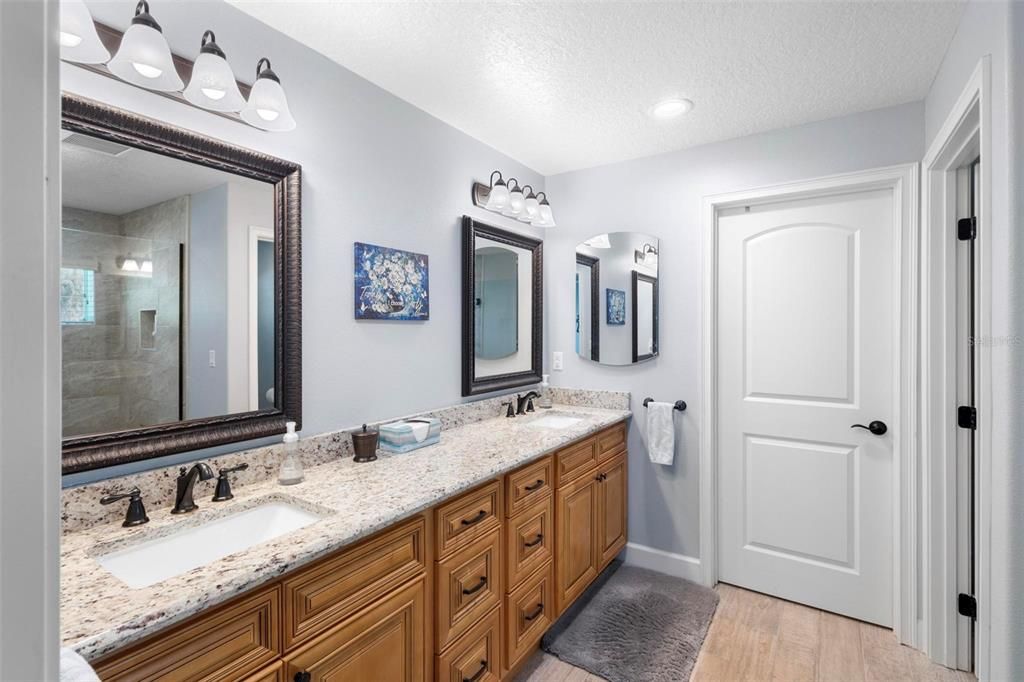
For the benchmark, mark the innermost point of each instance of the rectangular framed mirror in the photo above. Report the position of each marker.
(180, 289)
(588, 307)
(502, 308)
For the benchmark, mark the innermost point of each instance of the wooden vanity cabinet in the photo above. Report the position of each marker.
(590, 511)
(462, 592)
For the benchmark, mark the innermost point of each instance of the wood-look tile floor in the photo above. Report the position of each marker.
(754, 637)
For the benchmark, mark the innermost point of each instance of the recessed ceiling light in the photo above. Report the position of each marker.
(670, 108)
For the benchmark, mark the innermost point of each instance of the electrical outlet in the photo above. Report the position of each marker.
(213, 358)
(556, 361)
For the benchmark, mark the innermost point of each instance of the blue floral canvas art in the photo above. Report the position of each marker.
(390, 284)
(615, 304)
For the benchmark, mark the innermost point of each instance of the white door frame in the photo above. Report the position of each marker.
(965, 133)
(256, 235)
(903, 181)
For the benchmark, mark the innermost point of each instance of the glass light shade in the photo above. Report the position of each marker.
(267, 107)
(601, 241)
(147, 266)
(515, 203)
(499, 197)
(144, 59)
(547, 219)
(213, 85)
(531, 209)
(130, 265)
(79, 41)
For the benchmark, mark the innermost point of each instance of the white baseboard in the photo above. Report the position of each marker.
(679, 565)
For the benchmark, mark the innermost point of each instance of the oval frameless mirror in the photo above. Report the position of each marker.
(616, 294)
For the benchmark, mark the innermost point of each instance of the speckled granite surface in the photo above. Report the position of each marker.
(79, 508)
(99, 613)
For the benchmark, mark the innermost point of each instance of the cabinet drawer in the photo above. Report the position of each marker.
(611, 441)
(476, 655)
(386, 641)
(468, 586)
(337, 587)
(468, 517)
(529, 483)
(529, 541)
(529, 610)
(576, 460)
(233, 642)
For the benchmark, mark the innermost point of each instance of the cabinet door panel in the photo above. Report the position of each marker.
(576, 556)
(528, 613)
(468, 586)
(612, 509)
(385, 642)
(529, 541)
(474, 656)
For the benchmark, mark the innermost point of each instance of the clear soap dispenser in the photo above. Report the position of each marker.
(291, 467)
(545, 393)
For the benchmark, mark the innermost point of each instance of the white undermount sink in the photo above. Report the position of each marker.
(555, 421)
(164, 557)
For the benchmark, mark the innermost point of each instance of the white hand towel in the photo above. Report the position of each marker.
(661, 432)
(74, 668)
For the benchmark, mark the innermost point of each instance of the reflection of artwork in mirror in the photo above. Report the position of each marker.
(615, 306)
(619, 255)
(158, 285)
(645, 317)
(390, 284)
(501, 309)
(496, 287)
(588, 307)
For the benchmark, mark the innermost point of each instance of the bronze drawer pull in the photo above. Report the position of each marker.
(535, 486)
(536, 541)
(478, 674)
(476, 519)
(479, 586)
(537, 612)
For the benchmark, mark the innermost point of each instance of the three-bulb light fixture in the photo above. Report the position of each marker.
(514, 201)
(144, 59)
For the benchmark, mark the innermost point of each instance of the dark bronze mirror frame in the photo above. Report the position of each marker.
(653, 281)
(81, 453)
(471, 385)
(595, 304)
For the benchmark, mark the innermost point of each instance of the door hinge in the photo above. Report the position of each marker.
(967, 229)
(967, 605)
(967, 417)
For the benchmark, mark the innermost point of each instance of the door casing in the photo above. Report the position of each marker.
(902, 180)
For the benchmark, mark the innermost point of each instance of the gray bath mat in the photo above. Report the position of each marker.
(635, 625)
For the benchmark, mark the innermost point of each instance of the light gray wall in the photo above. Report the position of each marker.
(206, 388)
(996, 29)
(661, 196)
(29, 341)
(375, 169)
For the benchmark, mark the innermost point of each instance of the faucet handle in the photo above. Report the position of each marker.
(136, 514)
(511, 412)
(223, 491)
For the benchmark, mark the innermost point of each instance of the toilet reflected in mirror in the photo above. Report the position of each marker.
(616, 296)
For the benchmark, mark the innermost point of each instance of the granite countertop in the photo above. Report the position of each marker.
(99, 613)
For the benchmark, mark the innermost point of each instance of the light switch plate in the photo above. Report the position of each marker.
(213, 358)
(556, 361)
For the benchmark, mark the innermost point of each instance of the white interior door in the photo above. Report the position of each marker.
(806, 348)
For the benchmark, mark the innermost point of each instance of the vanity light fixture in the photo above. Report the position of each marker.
(129, 264)
(79, 41)
(646, 255)
(267, 107)
(599, 242)
(144, 58)
(513, 200)
(213, 85)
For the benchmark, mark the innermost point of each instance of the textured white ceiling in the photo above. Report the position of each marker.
(136, 179)
(565, 85)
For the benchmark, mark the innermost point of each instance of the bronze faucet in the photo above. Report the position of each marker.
(183, 502)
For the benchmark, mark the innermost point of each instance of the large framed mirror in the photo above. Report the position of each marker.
(616, 284)
(502, 308)
(180, 289)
